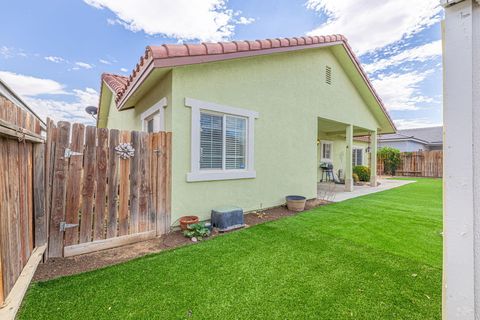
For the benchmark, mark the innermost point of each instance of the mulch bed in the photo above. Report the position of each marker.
(58, 267)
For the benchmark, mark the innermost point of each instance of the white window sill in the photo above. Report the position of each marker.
(224, 175)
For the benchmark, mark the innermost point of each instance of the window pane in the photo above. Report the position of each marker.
(357, 157)
(326, 151)
(235, 143)
(150, 125)
(211, 141)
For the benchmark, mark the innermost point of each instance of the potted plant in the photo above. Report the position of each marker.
(296, 203)
(185, 221)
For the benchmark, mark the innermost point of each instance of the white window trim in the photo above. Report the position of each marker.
(195, 173)
(363, 154)
(157, 107)
(322, 142)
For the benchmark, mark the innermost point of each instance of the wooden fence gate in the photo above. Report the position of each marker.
(98, 195)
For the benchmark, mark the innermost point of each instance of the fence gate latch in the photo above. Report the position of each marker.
(68, 153)
(64, 225)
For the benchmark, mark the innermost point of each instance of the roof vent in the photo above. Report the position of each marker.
(328, 75)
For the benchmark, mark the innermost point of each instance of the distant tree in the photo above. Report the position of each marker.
(391, 159)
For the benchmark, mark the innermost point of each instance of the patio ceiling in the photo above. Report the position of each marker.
(335, 128)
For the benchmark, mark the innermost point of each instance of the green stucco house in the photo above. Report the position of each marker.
(251, 121)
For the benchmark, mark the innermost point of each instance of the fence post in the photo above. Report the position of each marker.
(168, 182)
(57, 215)
(160, 178)
(39, 194)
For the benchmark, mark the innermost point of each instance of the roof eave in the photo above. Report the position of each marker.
(191, 60)
(168, 56)
(364, 75)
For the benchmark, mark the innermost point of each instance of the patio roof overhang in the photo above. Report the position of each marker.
(337, 129)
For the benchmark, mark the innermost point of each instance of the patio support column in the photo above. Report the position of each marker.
(373, 158)
(348, 159)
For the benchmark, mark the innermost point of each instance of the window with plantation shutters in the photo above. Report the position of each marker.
(222, 139)
(211, 141)
(235, 142)
(222, 142)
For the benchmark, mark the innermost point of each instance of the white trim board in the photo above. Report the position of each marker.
(157, 107)
(198, 104)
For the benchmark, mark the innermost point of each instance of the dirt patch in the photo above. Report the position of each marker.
(58, 267)
(275, 213)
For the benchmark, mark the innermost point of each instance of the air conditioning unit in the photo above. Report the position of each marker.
(227, 218)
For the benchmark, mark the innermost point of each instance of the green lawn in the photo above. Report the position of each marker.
(374, 257)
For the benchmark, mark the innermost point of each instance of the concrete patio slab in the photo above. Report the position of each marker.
(336, 192)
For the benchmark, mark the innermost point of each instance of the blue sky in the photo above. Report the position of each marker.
(53, 52)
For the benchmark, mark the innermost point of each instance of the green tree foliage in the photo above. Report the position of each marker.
(391, 159)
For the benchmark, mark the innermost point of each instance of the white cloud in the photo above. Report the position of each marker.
(205, 20)
(54, 59)
(104, 61)
(31, 86)
(10, 52)
(71, 108)
(83, 65)
(73, 111)
(374, 24)
(416, 123)
(401, 91)
(124, 69)
(6, 52)
(244, 20)
(418, 54)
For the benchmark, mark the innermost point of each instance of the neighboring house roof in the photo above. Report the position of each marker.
(170, 55)
(430, 135)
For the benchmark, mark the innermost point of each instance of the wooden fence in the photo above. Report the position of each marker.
(98, 199)
(421, 164)
(22, 218)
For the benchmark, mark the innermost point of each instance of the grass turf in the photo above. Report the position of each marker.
(373, 257)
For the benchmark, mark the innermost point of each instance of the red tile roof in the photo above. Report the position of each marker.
(169, 55)
(114, 81)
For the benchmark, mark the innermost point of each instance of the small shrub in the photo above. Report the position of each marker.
(362, 172)
(391, 159)
(197, 230)
(355, 178)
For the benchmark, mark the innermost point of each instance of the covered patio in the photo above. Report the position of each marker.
(336, 143)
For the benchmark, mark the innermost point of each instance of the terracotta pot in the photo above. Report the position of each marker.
(296, 203)
(187, 220)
